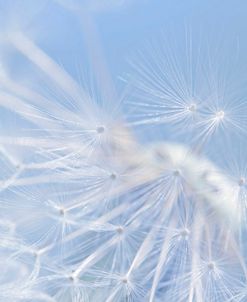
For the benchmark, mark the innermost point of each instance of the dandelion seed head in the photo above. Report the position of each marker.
(141, 239)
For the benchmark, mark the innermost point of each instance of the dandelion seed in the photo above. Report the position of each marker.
(125, 280)
(62, 212)
(192, 108)
(100, 129)
(242, 181)
(120, 230)
(220, 114)
(176, 173)
(184, 233)
(113, 176)
(211, 266)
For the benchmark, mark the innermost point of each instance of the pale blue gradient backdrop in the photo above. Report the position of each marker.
(123, 30)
